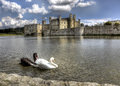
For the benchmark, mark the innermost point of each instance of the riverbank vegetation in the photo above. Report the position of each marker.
(12, 31)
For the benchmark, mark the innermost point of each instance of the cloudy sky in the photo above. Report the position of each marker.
(15, 13)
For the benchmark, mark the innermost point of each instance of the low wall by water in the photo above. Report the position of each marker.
(89, 30)
(102, 30)
(17, 80)
(85, 31)
(64, 32)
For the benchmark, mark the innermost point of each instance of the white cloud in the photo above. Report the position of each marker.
(62, 2)
(60, 7)
(14, 7)
(20, 16)
(81, 0)
(28, 0)
(86, 4)
(95, 21)
(37, 9)
(14, 22)
(53, 17)
(67, 5)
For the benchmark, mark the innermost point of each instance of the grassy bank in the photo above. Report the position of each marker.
(9, 34)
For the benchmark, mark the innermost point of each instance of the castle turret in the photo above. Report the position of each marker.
(79, 22)
(74, 17)
(59, 21)
(50, 18)
(74, 20)
(71, 21)
(70, 16)
(43, 22)
(59, 17)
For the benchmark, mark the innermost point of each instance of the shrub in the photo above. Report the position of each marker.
(117, 24)
(108, 23)
(82, 24)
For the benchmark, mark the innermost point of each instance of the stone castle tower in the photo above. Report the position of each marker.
(72, 21)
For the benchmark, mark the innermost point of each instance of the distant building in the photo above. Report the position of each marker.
(33, 29)
(61, 23)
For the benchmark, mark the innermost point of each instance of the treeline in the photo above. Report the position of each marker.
(110, 23)
(19, 30)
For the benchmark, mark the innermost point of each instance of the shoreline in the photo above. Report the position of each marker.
(18, 80)
(10, 34)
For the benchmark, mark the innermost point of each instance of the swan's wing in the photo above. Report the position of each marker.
(46, 66)
(39, 61)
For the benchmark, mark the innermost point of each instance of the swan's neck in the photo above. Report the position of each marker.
(54, 64)
(51, 61)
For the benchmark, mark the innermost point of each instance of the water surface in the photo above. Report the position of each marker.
(86, 59)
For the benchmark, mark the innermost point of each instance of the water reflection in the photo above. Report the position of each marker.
(94, 59)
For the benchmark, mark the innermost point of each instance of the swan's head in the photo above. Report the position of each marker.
(35, 56)
(52, 59)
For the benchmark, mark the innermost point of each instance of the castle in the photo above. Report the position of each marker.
(61, 23)
(54, 25)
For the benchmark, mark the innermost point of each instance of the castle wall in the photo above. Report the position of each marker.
(54, 24)
(102, 30)
(32, 29)
(64, 32)
(45, 26)
(77, 24)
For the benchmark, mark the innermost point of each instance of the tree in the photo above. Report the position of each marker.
(117, 24)
(108, 23)
(82, 24)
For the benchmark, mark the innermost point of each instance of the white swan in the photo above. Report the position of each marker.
(44, 64)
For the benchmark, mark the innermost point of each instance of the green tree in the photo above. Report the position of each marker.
(82, 24)
(108, 23)
(117, 24)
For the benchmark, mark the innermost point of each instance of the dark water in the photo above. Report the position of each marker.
(86, 59)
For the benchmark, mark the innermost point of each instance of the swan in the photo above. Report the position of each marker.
(39, 62)
(44, 64)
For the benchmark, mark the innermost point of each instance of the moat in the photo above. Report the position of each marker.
(84, 59)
